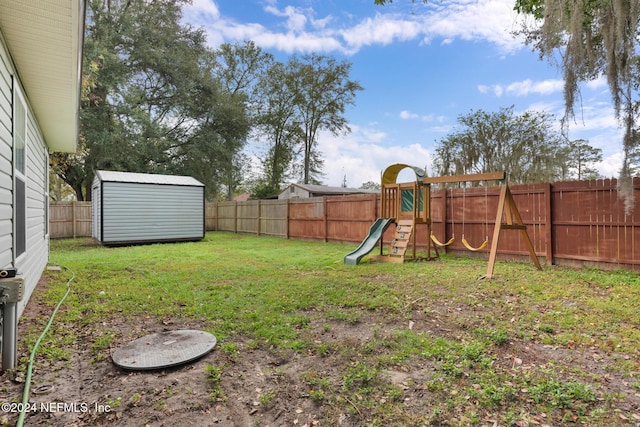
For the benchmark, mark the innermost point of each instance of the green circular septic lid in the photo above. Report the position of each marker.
(164, 350)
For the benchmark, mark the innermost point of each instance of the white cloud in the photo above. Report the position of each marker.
(380, 30)
(596, 117)
(527, 87)
(296, 18)
(597, 84)
(291, 43)
(363, 158)
(524, 88)
(302, 31)
(491, 20)
(428, 118)
(373, 135)
(323, 23)
(496, 90)
(484, 89)
(201, 10)
(610, 165)
(406, 115)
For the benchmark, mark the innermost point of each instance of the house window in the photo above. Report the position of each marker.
(20, 171)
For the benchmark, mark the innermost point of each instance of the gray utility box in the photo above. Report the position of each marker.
(12, 289)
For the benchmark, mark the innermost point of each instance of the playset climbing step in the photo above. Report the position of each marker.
(402, 240)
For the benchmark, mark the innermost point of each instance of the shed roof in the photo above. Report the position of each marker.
(146, 178)
(45, 39)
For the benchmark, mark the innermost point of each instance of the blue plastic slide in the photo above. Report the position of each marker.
(375, 233)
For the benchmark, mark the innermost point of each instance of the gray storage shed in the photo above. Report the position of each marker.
(132, 208)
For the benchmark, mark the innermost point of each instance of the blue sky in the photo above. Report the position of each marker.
(421, 66)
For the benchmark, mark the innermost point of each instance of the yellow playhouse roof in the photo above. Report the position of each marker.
(390, 174)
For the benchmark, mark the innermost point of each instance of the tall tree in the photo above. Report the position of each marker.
(594, 38)
(370, 185)
(210, 153)
(103, 72)
(152, 101)
(240, 68)
(581, 158)
(280, 124)
(323, 91)
(524, 145)
(166, 84)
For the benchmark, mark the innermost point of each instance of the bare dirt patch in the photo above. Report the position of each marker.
(264, 386)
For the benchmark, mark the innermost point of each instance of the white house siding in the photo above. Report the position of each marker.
(6, 162)
(33, 261)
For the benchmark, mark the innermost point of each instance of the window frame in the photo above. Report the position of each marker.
(19, 173)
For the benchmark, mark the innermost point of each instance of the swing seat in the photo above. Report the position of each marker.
(439, 243)
(471, 248)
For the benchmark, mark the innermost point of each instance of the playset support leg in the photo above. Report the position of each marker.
(507, 206)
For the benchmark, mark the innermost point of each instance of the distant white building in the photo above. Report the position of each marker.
(294, 191)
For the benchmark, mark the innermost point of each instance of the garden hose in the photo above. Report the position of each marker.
(27, 382)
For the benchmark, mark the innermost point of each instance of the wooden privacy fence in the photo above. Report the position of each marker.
(570, 223)
(69, 219)
(262, 217)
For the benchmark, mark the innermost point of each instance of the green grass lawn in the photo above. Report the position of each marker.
(467, 335)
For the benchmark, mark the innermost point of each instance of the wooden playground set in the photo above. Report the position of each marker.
(408, 204)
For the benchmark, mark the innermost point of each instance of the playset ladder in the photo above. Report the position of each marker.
(403, 238)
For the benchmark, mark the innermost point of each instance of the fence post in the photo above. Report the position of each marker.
(73, 218)
(288, 218)
(444, 220)
(374, 199)
(258, 219)
(217, 206)
(235, 217)
(326, 218)
(549, 222)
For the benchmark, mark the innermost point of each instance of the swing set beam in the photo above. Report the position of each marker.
(490, 176)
